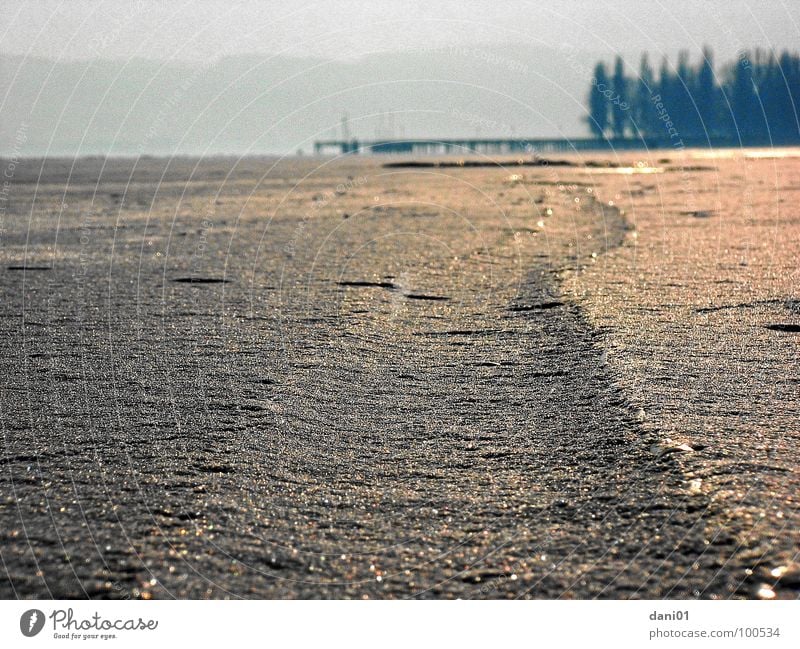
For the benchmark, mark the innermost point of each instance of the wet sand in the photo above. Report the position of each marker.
(317, 378)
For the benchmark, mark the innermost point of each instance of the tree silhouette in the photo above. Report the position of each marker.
(755, 101)
(598, 103)
(644, 117)
(706, 95)
(620, 106)
(667, 92)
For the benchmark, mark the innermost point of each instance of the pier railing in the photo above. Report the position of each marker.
(496, 146)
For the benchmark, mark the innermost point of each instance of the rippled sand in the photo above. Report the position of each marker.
(317, 378)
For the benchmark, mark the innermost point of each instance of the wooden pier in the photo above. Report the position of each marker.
(500, 146)
(460, 146)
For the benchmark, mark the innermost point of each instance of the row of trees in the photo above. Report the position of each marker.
(754, 100)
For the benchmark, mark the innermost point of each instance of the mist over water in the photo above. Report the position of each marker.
(206, 78)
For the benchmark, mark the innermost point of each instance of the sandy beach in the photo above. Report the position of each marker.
(330, 378)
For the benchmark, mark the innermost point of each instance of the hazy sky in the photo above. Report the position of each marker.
(203, 29)
(145, 76)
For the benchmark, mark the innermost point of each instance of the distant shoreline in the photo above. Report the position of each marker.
(494, 146)
(602, 146)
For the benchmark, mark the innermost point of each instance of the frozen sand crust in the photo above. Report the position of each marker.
(283, 435)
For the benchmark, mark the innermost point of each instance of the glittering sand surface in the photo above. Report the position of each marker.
(319, 378)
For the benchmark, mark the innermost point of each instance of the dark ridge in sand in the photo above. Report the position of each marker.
(446, 164)
(532, 161)
(790, 328)
(369, 284)
(699, 214)
(392, 286)
(535, 307)
(24, 268)
(431, 298)
(201, 280)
